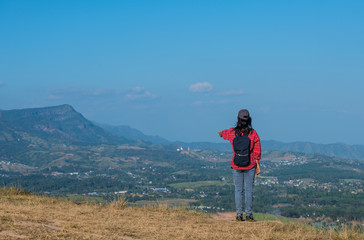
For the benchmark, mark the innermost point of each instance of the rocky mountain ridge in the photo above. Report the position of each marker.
(52, 124)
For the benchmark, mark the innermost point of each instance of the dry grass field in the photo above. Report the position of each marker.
(26, 216)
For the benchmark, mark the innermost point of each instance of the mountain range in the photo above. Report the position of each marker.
(339, 150)
(62, 124)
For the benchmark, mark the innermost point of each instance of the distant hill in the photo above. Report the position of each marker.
(132, 133)
(339, 150)
(52, 124)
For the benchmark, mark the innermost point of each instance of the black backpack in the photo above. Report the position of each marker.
(241, 145)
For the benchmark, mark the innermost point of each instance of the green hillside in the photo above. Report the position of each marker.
(53, 124)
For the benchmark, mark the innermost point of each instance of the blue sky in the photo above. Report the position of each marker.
(183, 69)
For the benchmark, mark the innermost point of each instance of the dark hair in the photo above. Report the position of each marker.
(243, 126)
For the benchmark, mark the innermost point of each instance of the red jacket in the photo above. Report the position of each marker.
(255, 150)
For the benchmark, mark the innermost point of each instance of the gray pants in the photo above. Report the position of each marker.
(244, 180)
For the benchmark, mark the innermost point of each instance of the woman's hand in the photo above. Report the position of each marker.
(220, 134)
(257, 169)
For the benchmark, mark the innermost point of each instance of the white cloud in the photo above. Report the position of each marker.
(133, 96)
(129, 94)
(201, 87)
(1, 84)
(80, 92)
(139, 93)
(231, 93)
(136, 89)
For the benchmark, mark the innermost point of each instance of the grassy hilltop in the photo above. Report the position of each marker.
(27, 216)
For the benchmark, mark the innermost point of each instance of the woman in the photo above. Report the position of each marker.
(245, 143)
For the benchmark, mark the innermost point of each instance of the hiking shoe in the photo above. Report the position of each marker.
(239, 218)
(250, 218)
